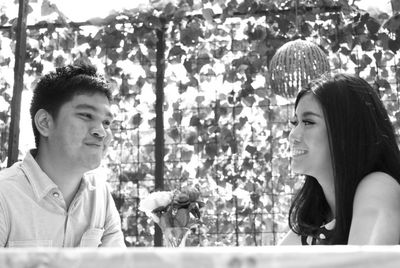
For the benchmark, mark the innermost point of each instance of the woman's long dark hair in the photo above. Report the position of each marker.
(362, 141)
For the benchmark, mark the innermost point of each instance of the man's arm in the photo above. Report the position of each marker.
(112, 236)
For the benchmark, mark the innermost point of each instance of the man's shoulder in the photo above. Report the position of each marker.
(10, 179)
(96, 178)
(10, 173)
(97, 185)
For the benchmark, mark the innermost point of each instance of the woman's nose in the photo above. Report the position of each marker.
(295, 135)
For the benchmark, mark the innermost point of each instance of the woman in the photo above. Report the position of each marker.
(343, 142)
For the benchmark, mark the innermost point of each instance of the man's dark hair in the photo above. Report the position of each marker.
(56, 88)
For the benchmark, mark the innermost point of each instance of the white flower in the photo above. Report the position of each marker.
(155, 200)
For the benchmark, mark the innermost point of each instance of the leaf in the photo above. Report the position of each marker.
(48, 8)
(4, 61)
(124, 87)
(153, 22)
(190, 35)
(283, 24)
(251, 149)
(219, 52)
(367, 45)
(268, 157)
(174, 133)
(393, 45)
(384, 73)
(354, 59)
(177, 116)
(244, 7)
(191, 138)
(195, 121)
(358, 28)
(186, 155)
(211, 149)
(97, 21)
(208, 14)
(249, 100)
(388, 56)
(134, 177)
(393, 24)
(200, 99)
(169, 10)
(257, 33)
(378, 57)
(383, 83)
(373, 25)
(383, 40)
(140, 82)
(136, 120)
(345, 51)
(3, 19)
(112, 37)
(176, 51)
(188, 39)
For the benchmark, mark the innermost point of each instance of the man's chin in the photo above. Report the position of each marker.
(90, 165)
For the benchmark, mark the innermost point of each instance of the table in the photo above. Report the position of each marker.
(207, 257)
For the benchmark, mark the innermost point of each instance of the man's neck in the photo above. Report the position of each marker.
(65, 177)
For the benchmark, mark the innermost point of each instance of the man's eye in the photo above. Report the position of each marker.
(85, 115)
(294, 122)
(107, 123)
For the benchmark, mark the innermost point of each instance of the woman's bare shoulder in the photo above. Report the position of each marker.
(376, 211)
(378, 190)
(379, 177)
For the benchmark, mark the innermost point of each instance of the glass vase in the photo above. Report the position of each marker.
(175, 236)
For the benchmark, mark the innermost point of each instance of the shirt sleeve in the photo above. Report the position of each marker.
(4, 225)
(113, 236)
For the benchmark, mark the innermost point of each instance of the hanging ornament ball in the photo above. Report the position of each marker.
(294, 65)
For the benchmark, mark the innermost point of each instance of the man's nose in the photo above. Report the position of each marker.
(98, 131)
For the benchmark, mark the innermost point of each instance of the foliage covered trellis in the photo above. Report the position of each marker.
(225, 131)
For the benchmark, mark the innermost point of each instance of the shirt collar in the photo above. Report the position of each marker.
(40, 182)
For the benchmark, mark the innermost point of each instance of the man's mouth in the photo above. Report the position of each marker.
(96, 145)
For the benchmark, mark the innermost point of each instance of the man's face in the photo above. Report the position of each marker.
(81, 132)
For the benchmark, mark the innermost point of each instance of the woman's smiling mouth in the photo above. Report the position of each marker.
(298, 152)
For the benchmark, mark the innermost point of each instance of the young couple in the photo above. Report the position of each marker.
(342, 140)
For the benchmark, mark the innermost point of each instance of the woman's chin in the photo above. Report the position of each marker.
(299, 171)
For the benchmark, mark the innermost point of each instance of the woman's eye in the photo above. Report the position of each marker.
(307, 122)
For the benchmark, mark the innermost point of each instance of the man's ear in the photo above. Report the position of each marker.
(43, 122)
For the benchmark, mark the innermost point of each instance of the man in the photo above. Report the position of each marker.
(50, 198)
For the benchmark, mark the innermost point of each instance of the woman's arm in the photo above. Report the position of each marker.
(376, 211)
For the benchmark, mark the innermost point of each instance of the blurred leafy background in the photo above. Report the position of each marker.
(224, 128)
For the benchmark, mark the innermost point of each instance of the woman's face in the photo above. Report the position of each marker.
(309, 139)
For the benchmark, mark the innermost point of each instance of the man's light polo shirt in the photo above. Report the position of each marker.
(33, 212)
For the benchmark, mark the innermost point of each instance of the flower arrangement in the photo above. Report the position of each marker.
(172, 210)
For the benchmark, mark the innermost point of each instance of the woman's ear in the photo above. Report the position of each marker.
(43, 122)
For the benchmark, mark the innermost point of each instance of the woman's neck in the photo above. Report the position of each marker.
(328, 187)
